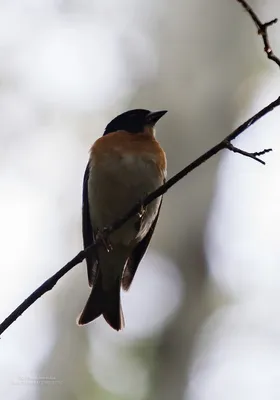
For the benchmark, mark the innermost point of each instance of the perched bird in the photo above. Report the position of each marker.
(125, 165)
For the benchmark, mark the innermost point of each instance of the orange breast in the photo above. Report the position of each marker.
(117, 144)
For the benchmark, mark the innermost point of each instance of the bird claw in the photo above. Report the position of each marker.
(141, 212)
(101, 235)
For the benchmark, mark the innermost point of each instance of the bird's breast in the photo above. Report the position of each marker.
(117, 182)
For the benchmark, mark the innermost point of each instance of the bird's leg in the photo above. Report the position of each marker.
(142, 210)
(102, 236)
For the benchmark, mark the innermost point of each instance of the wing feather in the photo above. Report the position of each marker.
(88, 234)
(137, 255)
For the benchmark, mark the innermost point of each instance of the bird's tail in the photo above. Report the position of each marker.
(106, 302)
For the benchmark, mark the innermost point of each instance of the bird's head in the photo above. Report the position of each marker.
(134, 121)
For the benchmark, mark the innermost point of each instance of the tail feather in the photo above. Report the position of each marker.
(112, 311)
(106, 302)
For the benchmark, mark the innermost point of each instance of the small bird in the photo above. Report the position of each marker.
(125, 165)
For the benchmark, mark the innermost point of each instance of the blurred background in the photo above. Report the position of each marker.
(202, 316)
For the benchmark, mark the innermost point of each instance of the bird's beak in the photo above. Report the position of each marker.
(153, 117)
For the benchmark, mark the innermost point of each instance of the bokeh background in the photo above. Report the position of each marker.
(202, 316)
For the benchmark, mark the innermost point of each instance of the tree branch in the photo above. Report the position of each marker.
(262, 30)
(254, 155)
(224, 144)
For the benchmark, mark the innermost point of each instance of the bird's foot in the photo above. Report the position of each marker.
(102, 236)
(141, 212)
(142, 209)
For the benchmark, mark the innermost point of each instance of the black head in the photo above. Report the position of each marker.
(134, 121)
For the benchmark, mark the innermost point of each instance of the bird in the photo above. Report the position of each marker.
(125, 165)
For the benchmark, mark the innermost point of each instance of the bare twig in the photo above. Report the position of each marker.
(254, 156)
(261, 153)
(262, 30)
(137, 209)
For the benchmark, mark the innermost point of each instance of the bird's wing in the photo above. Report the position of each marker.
(137, 255)
(88, 235)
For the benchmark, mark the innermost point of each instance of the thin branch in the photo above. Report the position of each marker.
(45, 287)
(261, 153)
(262, 28)
(254, 156)
(138, 208)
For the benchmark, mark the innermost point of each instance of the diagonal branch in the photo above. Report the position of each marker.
(262, 28)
